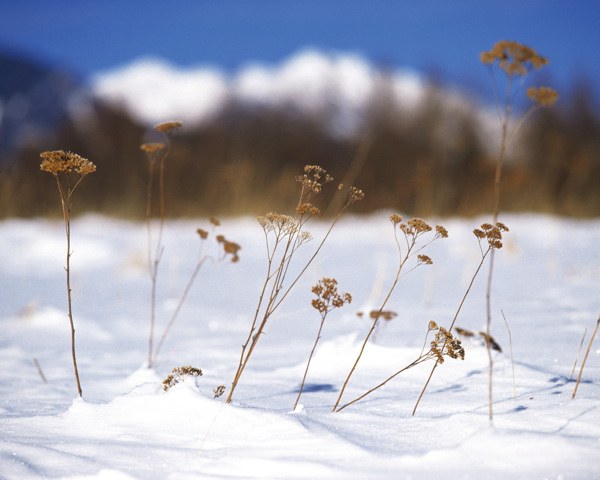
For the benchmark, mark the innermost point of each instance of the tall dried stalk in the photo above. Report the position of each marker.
(69, 170)
(288, 235)
(229, 250)
(412, 231)
(493, 236)
(328, 299)
(156, 153)
(516, 61)
(586, 355)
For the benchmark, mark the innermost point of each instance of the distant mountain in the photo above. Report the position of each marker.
(34, 99)
(310, 83)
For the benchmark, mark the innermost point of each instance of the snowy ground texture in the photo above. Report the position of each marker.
(547, 283)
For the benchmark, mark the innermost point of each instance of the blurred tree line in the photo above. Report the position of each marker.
(433, 160)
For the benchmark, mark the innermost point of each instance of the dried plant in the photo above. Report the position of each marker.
(156, 153)
(227, 251)
(442, 345)
(516, 61)
(328, 299)
(585, 356)
(69, 170)
(489, 238)
(386, 315)
(284, 235)
(178, 375)
(411, 231)
(220, 390)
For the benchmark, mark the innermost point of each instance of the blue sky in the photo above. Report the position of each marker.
(432, 36)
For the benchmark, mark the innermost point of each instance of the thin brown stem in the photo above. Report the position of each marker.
(585, 357)
(578, 352)
(66, 203)
(309, 359)
(451, 327)
(362, 349)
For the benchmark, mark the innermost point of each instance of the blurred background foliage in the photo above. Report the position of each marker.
(432, 161)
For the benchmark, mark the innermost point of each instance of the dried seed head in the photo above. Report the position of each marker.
(203, 233)
(328, 296)
(214, 221)
(59, 162)
(152, 148)
(355, 195)
(395, 218)
(166, 127)
(231, 247)
(514, 58)
(385, 314)
(423, 260)
(441, 232)
(544, 96)
(307, 207)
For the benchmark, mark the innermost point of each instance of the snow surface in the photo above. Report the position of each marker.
(547, 283)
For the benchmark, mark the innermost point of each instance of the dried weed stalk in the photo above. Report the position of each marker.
(228, 251)
(516, 61)
(284, 235)
(443, 344)
(489, 238)
(178, 375)
(411, 231)
(586, 355)
(328, 299)
(69, 170)
(156, 154)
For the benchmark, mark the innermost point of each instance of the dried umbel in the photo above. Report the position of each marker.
(490, 233)
(178, 375)
(444, 344)
(59, 162)
(69, 169)
(376, 314)
(312, 180)
(154, 152)
(544, 96)
(514, 58)
(328, 299)
(167, 127)
(328, 296)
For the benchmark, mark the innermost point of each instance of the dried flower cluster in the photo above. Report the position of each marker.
(444, 343)
(376, 314)
(488, 339)
(153, 152)
(312, 181)
(178, 375)
(289, 235)
(220, 390)
(167, 127)
(328, 296)
(278, 223)
(544, 96)
(307, 208)
(514, 58)
(328, 299)
(493, 234)
(355, 195)
(229, 248)
(58, 162)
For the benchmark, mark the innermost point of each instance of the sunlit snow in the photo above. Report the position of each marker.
(546, 283)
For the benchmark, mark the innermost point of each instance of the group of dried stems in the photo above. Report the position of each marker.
(156, 154)
(285, 235)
